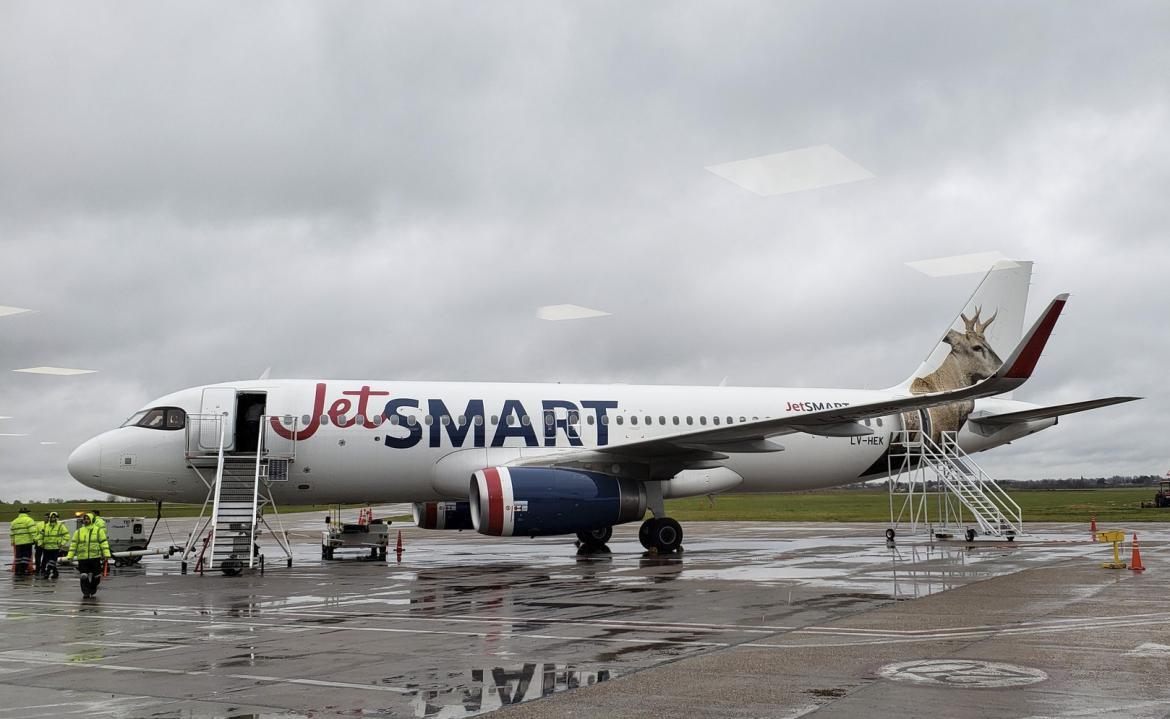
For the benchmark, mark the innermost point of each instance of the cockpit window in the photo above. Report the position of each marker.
(176, 418)
(134, 419)
(154, 419)
(158, 418)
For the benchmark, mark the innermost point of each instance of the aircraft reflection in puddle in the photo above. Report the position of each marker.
(498, 687)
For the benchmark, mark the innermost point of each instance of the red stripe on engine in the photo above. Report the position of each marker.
(432, 520)
(495, 497)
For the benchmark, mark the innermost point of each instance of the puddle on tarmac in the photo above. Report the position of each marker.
(482, 690)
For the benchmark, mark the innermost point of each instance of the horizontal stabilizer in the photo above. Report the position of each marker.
(1057, 410)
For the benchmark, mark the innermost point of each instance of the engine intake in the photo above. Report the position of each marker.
(442, 515)
(540, 501)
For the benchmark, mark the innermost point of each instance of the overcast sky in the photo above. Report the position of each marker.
(190, 193)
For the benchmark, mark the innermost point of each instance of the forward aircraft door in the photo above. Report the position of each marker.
(217, 402)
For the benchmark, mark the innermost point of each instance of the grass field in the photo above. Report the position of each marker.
(1060, 505)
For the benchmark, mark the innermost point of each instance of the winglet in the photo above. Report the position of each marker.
(1023, 360)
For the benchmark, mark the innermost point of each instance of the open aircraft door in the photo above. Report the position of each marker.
(217, 402)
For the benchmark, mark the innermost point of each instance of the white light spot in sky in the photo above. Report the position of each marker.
(62, 371)
(567, 312)
(961, 264)
(13, 434)
(5, 311)
(48, 443)
(804, 169)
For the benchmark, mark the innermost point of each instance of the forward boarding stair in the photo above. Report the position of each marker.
(923, 472)
(238, 492)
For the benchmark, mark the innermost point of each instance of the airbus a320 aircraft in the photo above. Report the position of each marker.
(549, 459)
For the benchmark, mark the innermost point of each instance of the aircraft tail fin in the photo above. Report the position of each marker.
(986, 330)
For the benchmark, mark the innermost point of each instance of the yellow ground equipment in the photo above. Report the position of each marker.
(1116, 538)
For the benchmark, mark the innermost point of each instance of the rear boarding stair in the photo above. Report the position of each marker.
(966, 499)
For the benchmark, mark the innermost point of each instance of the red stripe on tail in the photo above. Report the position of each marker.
(1026, 362)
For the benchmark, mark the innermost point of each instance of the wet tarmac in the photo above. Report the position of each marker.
(753, 619)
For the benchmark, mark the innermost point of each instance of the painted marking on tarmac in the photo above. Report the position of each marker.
(197, 673)
(1149, 649)
(962, 673)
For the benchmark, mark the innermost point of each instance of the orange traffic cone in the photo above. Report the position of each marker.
(1093, 527)
(106, 568)
(1136, 562)
(398, 548)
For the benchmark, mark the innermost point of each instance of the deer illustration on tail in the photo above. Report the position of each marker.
(970, 360)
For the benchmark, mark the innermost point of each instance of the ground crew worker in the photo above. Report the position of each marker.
(21, 532)
(97, 518)
(38, 540)
(55, 537)
(90, 546)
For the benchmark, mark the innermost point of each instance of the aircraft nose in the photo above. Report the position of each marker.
(85, 464)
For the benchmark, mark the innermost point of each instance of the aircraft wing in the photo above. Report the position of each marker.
(708, 444)
(1056, 410)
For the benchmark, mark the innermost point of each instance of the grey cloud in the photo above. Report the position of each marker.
(189, 195)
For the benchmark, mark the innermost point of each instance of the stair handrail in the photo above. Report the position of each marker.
(975, 499)
(1007, 506)
(255, 498)
(218, 483)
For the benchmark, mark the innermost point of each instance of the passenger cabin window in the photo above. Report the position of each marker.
(619, 419)
(879, 421)
(703, 420)
(662, 420)
(715, 420)
(633, 419)
(589, 419)
(730, 420)
(690, 420)
(676, 420)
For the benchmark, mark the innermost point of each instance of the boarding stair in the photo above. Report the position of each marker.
(925, 472)
(239, 489)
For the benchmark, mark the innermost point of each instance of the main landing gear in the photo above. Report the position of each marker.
(661, 533)
(594, 539)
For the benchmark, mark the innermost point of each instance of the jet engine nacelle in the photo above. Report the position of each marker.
(540, 501)
(442, 515)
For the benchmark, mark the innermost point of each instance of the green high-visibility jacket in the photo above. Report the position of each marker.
(39, 533)
(54, 536)
(22, 530)
(89, 542)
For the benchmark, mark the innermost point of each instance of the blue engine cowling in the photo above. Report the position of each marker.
(539, 501)
(442, 515)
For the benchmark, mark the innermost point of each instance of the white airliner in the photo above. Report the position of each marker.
(547, 459)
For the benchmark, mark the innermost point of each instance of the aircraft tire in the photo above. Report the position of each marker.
(594, 538)
(646, 532)
(667, 535)
(890, 534)
(970, 535)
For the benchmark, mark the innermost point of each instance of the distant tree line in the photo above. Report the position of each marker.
(1144, 480)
